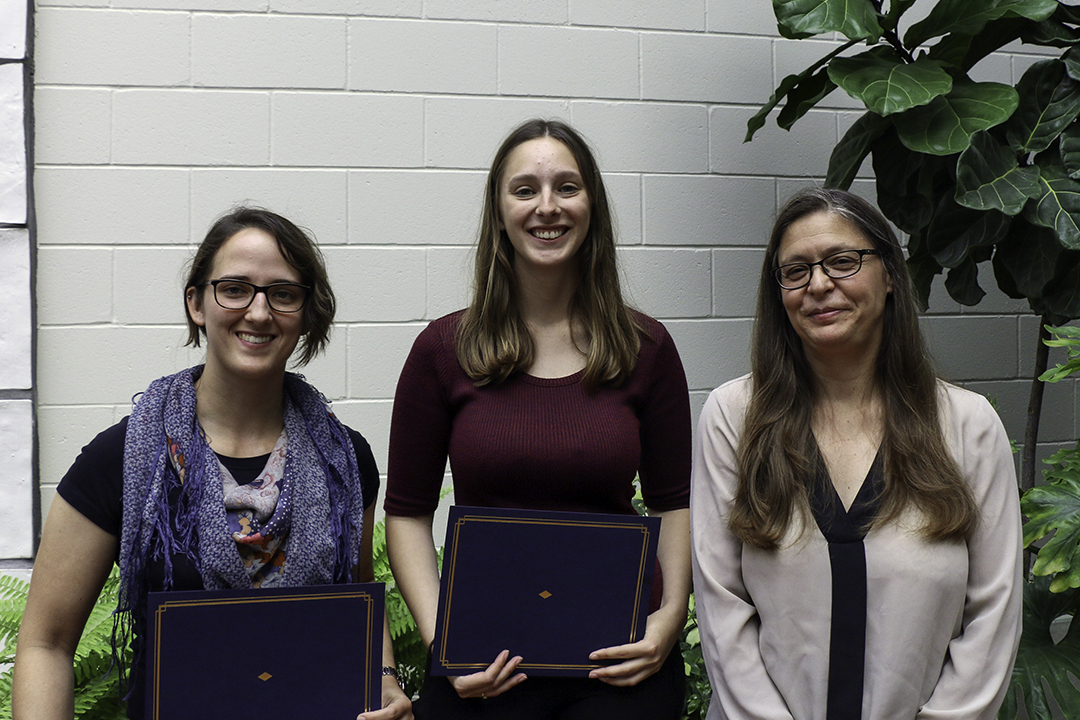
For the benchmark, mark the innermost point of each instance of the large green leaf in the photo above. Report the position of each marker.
(1050, 33)
(886, 84)
(848, 155)
(988, 176)
(1055, 508)
(946, 124)
(962, 283)
(965, 51)
(967, 17)
(803, 97)
(906, 182)
(1040, 660)
(956, 230)
(1061, 296)
(1069, 147)
(856, 19)
(1057, 206)
(1049, 101)
(1072, 63)
(1028, 256)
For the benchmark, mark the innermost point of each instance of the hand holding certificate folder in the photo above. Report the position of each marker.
(551, 587)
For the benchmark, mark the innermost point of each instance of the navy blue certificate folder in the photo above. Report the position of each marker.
(549, 586)
(299, 652)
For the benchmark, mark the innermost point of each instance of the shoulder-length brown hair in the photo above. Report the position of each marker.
(492, 340)
(299, 250)
(778, 456)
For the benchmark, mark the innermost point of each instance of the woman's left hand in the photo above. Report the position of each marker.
(644, 657)
(396, 706)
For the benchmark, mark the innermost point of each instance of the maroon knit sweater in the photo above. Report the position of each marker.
(535, 442)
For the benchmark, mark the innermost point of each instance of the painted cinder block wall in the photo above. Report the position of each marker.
(372, 123)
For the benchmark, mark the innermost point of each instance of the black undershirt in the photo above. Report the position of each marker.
(844, 530)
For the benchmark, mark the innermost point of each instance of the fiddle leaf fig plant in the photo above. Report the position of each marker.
(979, 175)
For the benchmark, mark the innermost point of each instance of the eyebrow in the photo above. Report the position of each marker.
(564, 175)
(247, 278)
(832, 250)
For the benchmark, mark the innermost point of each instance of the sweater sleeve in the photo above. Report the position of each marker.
(727, 619)
(979, 663)
(666, 435)
(419, 429)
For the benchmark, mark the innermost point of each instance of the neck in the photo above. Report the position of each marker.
(241, 418)
(545, 296)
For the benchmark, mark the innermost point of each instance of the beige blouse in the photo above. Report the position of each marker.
(943, 618)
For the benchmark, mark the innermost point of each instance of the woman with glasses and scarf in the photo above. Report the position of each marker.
(855, 520)
(231, 474)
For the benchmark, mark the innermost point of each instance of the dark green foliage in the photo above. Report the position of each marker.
(97, 684)
(698, 689)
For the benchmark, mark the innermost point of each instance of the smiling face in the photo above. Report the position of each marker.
(834, 316)
(543, 205)
(255, 342)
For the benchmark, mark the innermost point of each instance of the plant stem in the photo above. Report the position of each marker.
(1031, 436)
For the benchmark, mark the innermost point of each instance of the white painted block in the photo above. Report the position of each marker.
(959, 345)
(624, 198)
(390, 8)
(370, 418)
(268, 51)
(64, 431)
(329, 371)
(707, 209)
(684, 15)
(193, 5)
(106, 365)
(148, 285)
(591, 62)
(447, 204)
(702, 68)
(13, 29)
(15, 310)
(993, 68)
(378, 284)
(802, 153)
(450, 273)
(712, 351)
(347, 130)
(143, 48)
(735, 281)
(16, 482)
(74, 285)
(112, 206)
(665, 282)
(540, 12)
(376, 355)
(645, 137)
(12, 145)
(1010, 398)
(744, 18)
(466, 132)
(313, 199)
(190, 127)
(443, 57)
(72, 125)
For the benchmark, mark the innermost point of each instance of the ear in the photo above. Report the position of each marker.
(193, 299)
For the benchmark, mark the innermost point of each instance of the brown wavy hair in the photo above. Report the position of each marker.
(778, 456)
(492, 339)
(299, 250)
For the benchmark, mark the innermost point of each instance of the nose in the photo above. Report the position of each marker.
(546, 204)
(819, 281)
(259, 309)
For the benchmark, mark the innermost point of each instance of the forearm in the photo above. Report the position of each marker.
(43, 684)
(673, 552)
(416, 571)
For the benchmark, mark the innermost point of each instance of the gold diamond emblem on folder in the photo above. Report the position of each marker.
(265, 676)
(545, 594)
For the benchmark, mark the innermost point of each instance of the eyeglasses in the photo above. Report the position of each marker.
(238, 295)
(837, 266)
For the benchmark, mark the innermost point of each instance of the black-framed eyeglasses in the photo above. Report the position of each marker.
(239, 294)
(837, 266)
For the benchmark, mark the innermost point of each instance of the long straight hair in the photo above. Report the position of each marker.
(492, 339)
(778, 456)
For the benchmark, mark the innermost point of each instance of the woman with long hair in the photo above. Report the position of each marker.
(855, 520)
(548, 392)
(230, 474)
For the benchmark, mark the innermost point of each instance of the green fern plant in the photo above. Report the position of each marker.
(97, 684)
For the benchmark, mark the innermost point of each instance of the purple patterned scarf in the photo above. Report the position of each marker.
(174, 502)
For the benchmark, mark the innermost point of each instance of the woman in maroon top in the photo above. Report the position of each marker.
(547, 392)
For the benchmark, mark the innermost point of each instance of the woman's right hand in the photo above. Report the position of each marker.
(497, 679)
